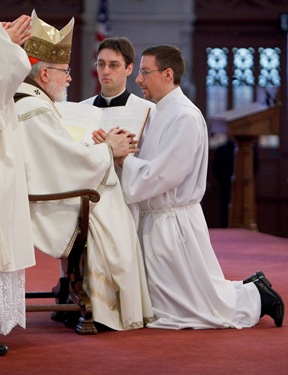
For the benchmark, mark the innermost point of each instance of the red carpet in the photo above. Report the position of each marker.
(47, 347)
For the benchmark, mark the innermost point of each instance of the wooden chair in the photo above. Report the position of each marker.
(74, 287)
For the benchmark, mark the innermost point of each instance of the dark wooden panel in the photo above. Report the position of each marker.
(243, 10)
(10, 9)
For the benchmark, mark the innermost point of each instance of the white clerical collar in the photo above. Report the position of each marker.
(109, 98)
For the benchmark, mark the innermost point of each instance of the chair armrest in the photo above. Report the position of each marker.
(93, 195)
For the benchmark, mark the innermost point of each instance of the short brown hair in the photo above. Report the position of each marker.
(167, 56)
(121, 46)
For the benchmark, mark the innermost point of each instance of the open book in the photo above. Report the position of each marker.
(81, 119)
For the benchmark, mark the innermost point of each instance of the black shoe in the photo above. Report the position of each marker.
(255, 277)
(271, 302)
(72, 319)
(101, 327)
(3, 349)
(58, 316)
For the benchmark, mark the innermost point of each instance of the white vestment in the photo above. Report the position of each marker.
(168, 180)
(16, 245)
(117, 204)
(54, 162)
(133, 100)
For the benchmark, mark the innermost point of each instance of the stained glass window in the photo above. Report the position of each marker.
(269, 66)
(217, 79)
(255, 76)
(243, 76)
(217, 67)
(243, 66)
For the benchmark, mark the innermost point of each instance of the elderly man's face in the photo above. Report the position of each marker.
(58, 82)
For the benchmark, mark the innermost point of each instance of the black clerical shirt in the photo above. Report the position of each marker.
(115, 102)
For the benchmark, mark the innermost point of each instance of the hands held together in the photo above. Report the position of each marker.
(19, 30)
(121, 141)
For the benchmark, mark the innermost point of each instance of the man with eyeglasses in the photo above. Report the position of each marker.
(115, 61)
(167, 180)
(56, 163)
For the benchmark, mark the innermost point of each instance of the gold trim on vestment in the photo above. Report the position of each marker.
(134, 325)
(70, 245)
(105, 178)
(150, 319)
(112, 304)
(141, 324)
(103, 279)
(35, 112)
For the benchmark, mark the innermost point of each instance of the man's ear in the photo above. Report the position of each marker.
(169, 74)
(129, 69)
(44, 74)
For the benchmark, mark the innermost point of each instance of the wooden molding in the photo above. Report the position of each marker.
(239, 9)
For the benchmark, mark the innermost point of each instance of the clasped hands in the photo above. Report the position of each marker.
(121, 141)
(19, 30)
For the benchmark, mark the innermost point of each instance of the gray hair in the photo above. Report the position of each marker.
(35, 70)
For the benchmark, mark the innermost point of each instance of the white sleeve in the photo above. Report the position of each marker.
(14, 67)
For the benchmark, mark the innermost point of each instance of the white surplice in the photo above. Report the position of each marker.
(168, 180)
(16, 245)
(54, 162)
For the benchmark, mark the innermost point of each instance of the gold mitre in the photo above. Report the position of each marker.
(49, 44)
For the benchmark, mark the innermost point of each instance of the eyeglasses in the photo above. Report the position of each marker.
(66, 71)
(102, 65)
(145, 72)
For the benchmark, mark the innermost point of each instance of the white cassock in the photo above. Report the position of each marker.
(16, 245)
(168, 180)
(54, 162)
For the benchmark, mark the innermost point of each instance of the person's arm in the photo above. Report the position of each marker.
(19, 30)
(179, 157)
(14, 64)
(120, 161)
